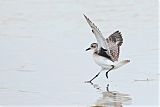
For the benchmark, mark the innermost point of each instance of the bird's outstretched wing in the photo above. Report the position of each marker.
(102, 43)
(114, 41)
(116, 37)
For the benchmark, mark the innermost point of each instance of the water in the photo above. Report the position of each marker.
(43, 58)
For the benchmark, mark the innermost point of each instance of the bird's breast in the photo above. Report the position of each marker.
(101, 61)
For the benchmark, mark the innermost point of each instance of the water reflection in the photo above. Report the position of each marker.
(111, 98)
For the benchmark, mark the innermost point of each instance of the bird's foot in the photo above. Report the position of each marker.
(88, 82)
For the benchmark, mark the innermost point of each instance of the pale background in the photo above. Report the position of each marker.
(43, 59)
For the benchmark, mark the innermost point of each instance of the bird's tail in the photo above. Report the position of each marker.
(121, 63)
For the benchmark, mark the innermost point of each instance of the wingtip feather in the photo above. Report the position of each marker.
(85, 16)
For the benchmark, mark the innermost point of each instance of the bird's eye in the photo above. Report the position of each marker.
(92, 46)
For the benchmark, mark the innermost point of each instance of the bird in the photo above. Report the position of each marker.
(106, 51)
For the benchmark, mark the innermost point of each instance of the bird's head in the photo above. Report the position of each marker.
(93, 46)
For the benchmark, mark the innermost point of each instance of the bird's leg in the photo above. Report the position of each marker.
(90, 81)
(109, 70)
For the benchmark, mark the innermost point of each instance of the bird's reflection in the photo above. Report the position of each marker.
(111, 98)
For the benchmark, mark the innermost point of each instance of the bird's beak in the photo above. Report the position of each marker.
(88, 49)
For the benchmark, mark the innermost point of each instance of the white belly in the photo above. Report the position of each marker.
(102, 61)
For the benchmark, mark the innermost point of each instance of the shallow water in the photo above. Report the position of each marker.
(43, 58)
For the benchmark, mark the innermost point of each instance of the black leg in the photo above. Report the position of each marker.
(109, 70)
(107, 74)
(94, 77)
